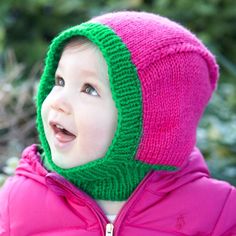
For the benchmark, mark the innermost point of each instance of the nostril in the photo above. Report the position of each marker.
(60, 107)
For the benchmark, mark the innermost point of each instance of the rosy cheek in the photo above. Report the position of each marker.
(44, 108)
(44, 111)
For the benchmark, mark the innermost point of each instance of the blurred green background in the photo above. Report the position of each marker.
(26, 28)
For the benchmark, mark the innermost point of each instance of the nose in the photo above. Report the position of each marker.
(60, 104)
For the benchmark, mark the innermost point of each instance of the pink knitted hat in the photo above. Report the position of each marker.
(178, 75)
(161, 78)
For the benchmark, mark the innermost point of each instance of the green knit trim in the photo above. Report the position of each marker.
(116, 175)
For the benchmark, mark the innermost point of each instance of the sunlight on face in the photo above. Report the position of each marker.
(79, 114)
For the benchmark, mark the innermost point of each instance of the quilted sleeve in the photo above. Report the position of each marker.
(226, 223)
(4, 204)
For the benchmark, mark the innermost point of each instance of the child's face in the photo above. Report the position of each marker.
(82, 104)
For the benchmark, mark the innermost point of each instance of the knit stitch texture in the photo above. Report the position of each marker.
(161, 78)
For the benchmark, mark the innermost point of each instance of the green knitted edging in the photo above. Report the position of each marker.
(97, 176)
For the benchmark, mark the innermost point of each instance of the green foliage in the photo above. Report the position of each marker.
(26, 28)
(8, 169)
(17, 111)
(213, 21)
(217, 133)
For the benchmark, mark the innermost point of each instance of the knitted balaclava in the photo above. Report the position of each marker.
(161, 78)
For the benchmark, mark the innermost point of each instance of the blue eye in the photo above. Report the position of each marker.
(90, 90)
(59, 81)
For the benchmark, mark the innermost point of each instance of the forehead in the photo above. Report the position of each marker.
(84, 55)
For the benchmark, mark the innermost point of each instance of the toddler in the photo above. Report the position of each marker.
(118, 106)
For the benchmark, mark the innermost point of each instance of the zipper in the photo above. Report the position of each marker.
(130, 202)
(109, 229)
(91, 203)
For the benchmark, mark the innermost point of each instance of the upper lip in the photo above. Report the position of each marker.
(54, 124)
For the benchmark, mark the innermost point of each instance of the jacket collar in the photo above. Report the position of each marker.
(159, 182)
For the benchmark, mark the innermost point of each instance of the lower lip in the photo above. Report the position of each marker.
(63, 142)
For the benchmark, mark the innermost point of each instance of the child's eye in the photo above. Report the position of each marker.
(90, 90)
(59, 81)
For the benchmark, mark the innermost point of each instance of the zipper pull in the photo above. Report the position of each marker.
(109, 229)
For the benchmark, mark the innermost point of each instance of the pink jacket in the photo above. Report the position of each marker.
(188, 202)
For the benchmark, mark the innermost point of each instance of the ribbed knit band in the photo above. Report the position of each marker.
(161, 78)
(116, 175)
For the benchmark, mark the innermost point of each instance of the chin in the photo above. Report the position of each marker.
(57, 161)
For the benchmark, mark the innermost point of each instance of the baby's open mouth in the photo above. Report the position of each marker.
(62, 134)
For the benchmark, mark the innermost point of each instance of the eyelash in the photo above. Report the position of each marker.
(59, 81)
(86, 85)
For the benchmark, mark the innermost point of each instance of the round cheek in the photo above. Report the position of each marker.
(96, 128)
(44, 110)
(44, 115)
(106, 128)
